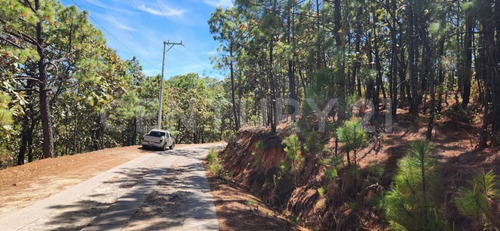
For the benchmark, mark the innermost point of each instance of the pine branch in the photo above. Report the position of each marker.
(11, 43)
(20, 35)
(27, 3)
(29, 78)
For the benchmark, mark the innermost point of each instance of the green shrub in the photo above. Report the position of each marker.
(285, 167)
(212, 156)
(292, 150)
(213, 163)
(332, 170)
(474, 201)
(215, 169)
(321, 192)
(313, 142)
(354, 137)
(413, 203)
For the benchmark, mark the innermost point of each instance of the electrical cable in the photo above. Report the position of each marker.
(114, 37)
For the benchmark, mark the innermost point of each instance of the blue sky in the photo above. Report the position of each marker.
(143, 25)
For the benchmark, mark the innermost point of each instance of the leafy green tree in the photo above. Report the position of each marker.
(194, 108)
(31, 29)
(223, 25)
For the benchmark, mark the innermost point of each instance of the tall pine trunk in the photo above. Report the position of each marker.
(274, 117)
(412, 49)
(357, 50)
(235, 113)
(394, 64)
(291, 74)
(48, 139)
(467, 59)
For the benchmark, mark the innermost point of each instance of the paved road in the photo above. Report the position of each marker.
(159, 191)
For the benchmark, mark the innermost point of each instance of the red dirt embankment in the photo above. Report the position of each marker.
(253, 162)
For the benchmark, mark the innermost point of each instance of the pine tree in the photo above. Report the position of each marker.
(414, 202)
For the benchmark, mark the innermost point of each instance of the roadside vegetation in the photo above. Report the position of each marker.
(342, 114)
(399, 120)
(77, 95)
(214, 165)
(416, 187)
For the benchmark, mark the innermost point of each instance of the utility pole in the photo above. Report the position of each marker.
(165, 44)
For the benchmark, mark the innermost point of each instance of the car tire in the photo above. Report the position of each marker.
(164, 147)
(172, 146)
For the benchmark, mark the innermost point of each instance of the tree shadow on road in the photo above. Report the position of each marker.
(179, 200)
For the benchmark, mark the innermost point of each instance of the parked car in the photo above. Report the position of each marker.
(158, 139)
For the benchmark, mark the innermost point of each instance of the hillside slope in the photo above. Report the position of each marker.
(349, 201)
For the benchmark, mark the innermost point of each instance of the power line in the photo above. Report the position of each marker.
(140, 11)
(161, 10)
(131, 51)
(143, 17)
(189, 53)
(133, 36)
(196, 59)
(146, 20)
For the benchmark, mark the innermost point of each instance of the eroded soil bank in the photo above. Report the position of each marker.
(254, 160)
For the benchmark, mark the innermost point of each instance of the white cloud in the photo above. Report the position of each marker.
(117, 23)
(167, 11)
(97, 3)
(222, 3)
(114, 7)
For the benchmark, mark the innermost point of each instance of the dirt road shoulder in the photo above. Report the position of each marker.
(237, 209)
(21, 186)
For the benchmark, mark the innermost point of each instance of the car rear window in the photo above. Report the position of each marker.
(157, 134)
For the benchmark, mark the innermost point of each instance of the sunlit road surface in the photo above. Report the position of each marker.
(159, 191)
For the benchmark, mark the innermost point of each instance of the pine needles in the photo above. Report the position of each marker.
(413, 204)
(475, 200)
